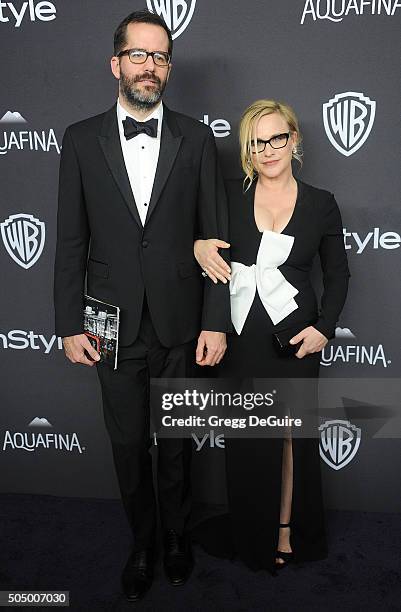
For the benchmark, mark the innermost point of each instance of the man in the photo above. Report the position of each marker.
(137, 185)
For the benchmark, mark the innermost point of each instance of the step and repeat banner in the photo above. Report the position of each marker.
(337, 62)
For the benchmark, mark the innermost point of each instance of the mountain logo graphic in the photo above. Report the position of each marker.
(344, 332)
(40, 422)
(13, 117)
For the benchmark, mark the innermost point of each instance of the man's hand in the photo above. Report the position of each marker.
(211, 348)
(75, 347)
(312, 341)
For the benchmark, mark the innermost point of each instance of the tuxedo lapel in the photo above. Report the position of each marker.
(170, 143)
(109, 140)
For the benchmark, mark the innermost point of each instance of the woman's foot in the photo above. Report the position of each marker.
(284, 546)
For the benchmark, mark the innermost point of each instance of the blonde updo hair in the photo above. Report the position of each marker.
(248, 122)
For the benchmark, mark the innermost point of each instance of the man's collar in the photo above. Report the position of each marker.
(157, 113)
(111, 124)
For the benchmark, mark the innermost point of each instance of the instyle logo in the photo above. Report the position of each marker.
(24, 238)
(19, 340)
(221, 128)
(348, 120)
(339, 443)
(14, 139)
(35, 440)
(176, 13)
(213, 440)
(374, 239)
(347, 350)
(336, 10)
(31, 10)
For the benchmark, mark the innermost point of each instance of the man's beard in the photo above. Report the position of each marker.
(146, 98)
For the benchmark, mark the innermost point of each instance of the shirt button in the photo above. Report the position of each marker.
(143, 147)
(145, 243)
(145, 203)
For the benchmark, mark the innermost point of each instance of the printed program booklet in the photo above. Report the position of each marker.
(101, 325)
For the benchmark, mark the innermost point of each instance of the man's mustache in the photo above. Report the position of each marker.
(148, 76)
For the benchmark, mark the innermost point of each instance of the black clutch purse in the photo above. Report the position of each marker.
(282, 338)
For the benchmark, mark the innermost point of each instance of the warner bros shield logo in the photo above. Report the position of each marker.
(24, 238)
(176, 13)
(348, 119)
(339, 443)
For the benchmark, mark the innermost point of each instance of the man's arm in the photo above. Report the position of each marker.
(213, 221)
(71, 256)
(72, 244)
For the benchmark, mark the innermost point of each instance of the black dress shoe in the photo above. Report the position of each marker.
(137, 576)
(178, 561)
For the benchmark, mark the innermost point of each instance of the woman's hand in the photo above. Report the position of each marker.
(312, 341)
(207, 255)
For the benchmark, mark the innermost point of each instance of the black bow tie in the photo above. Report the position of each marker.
(132, 128)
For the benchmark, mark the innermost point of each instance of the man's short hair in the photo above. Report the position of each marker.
(143, 16)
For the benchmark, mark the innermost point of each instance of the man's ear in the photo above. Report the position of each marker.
(115, 67)
(168, 71)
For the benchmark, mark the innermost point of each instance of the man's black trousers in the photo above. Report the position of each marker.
(125, 393)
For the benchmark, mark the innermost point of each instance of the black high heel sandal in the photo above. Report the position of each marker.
(280, 554)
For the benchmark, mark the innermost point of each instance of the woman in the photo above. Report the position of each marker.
(277, 226)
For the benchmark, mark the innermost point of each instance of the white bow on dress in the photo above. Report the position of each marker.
(275, 292)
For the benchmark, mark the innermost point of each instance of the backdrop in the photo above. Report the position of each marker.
(337, 63)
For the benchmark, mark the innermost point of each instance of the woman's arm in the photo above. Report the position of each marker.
(333, 259)
(335, 271)
(207, 255)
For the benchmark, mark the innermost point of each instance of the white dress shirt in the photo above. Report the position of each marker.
(275, 292)
(141, 155)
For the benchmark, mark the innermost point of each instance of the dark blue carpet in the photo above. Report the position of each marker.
(81, 545)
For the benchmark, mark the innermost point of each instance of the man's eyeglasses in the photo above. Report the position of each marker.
(139, 56)
(276, 142)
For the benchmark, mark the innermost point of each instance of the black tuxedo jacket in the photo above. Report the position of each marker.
(100, 237)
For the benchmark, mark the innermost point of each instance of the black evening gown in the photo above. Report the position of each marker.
(250, 527)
